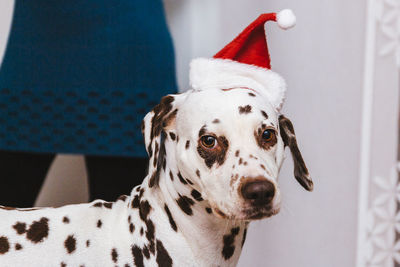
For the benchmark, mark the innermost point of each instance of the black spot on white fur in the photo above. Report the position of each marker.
(146, 252)
(131, 227)
(163, 259)
(229, 240)
(20, 228)
(137, 256)
(4, 245)
(159, 161)
(172, 135)
(38, 230)
(183, 181)
(185, 204)
(170, 218)
(122, 198)
(144, 210)
(171, 175)
(245, 109)
(98, 204)
(114, 255)
(108, 205)
(264, 114)
(150, 234)
(187, 145)
(196, 195)
(135, 202)
(70, 244)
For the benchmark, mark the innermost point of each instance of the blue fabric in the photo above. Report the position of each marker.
(79, 76)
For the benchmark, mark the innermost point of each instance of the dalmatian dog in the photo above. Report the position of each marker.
(215, 153)
(215, 156)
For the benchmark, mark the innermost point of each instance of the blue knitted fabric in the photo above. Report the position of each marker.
(79, 76)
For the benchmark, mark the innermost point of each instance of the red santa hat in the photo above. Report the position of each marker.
(245, 62)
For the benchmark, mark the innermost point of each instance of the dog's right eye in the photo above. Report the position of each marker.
(208, 141)
(268, 135)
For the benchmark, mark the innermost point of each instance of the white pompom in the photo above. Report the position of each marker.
(286, 19)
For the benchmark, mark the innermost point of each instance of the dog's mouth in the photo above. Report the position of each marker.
(258, 213)
(249, 213)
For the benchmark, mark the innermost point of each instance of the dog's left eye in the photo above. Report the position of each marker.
(268, 135)
(208, 141)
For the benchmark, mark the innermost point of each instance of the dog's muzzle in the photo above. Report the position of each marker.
(258, 198)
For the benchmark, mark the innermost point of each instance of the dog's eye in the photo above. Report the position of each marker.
(208, 141)
(268, 135)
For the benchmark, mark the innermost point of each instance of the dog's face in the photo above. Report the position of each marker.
(229, 143)
(235, 145)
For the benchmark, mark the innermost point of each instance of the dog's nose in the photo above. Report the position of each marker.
(259, 192)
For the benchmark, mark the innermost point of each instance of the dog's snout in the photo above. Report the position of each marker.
(259, 192)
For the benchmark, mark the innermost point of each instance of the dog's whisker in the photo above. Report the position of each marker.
(286, 209)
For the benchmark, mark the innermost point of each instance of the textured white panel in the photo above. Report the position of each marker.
(379, 217)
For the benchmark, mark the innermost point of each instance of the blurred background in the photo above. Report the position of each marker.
(341, 64)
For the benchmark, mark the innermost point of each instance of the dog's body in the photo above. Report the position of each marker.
(133, 231)
(215, 157)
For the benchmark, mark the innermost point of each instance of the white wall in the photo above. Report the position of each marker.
(322, 61)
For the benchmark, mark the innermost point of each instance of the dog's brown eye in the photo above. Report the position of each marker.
(268, 135)
(208, 141)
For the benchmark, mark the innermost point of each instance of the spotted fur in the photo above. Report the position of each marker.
(245, 109)
(190, 209)
(214, 156)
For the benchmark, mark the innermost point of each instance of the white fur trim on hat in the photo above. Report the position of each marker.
(286, 19)
(206, 73)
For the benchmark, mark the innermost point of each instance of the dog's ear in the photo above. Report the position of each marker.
(289, 139)
(154, 127)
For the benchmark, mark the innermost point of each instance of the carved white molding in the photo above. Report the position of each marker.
(388, 17)
(379, 192)
(382, 246)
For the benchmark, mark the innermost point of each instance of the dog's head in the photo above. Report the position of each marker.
(229, 144)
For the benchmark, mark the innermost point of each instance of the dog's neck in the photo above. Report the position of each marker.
(213, 241)
(217, 241)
